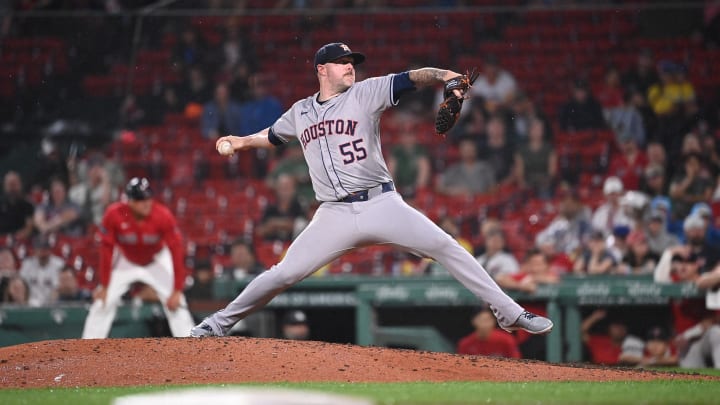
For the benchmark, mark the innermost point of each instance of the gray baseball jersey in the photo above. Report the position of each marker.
(341, 137)
(341, 142)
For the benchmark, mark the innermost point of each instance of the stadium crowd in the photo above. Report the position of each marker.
(621, 178)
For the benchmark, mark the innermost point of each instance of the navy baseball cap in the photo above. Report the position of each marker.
(336, 50)
(138, 189)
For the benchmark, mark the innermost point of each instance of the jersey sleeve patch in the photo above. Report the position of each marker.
(401, 84)
(275, 139)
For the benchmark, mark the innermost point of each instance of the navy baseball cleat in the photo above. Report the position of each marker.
(531, 323)
(203, 329)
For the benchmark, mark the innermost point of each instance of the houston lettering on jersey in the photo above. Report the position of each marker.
(327, 128)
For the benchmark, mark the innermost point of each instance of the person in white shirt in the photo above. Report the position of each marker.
(41, 272)
(611, 213)
(495, 85)
(501, 265)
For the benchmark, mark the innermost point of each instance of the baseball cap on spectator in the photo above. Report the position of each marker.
(661, 203)
(657, 333)
(657, 215)
(701, 209)
(693, 222)
(336, 50)
(621, 231)
(294, 317)
(612, 185)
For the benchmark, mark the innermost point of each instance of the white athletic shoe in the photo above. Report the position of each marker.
(531, 323)
(203, 329)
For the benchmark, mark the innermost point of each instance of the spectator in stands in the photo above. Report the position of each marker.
(495, 86)
(559, 262)
(202, 286)
(643, 75)
(524, 113)
(629, 165)
(610, 214)
(639, 258)
(295, 325)
(234, 48)
(409, 164)
(672, 91)
(703, 210)
(537, 266)
(68, 289)
(195, 89)
(537, 163)
(581, 111)
(499, 153)
(8, 263)
(42, 273)
(617, 244)
(16, 212)
(638, 100)
(653, 181)
(222, 115)
(470, 175)
(615, 346)
(571, 226)
(656, 154)
(243, 261)
(94, 194)
(695, 246)
(501, 265)
(486, 339)
(292, 163)
(689, 186)
(190, 49)
(472, 125)
(596, 258)
(658, 238)
(609, 93)
(239, 81)
(58, 214)
(278, 221)
(262, 109)
(626, 121)
(14, 291)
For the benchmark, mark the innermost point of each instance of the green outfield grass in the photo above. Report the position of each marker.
(455, 393)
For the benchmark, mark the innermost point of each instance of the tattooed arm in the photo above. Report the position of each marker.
(431, 76)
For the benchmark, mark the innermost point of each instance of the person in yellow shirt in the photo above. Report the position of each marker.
(672, 91)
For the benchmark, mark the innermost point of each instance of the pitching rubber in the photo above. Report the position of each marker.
(239, 396)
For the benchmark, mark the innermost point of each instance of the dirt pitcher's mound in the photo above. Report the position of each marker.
(125, 362)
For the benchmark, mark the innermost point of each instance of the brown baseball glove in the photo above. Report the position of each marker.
(449, 110)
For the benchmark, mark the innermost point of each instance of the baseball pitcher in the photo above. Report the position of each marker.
(140, 243)
(338, 130)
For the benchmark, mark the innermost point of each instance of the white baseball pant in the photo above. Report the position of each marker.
(338, 227)
(158, 275)
(707, 347)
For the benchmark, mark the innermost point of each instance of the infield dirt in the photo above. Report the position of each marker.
(153, 361)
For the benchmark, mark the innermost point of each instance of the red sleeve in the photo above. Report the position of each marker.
(462, 347)
(173, 240)
(512, 348)
(106, 232)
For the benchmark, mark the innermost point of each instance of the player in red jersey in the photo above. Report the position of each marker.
(487, 340)
(140, 243)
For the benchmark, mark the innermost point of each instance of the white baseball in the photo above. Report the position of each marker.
(226, 148)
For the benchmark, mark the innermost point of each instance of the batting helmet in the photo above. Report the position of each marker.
(138, 189)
